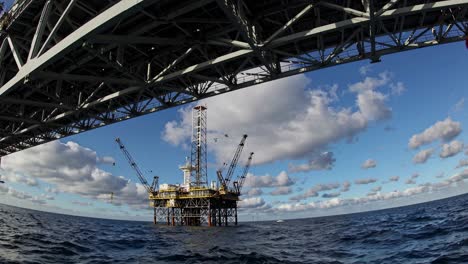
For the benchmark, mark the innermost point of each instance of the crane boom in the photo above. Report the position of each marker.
(149, 189)
(241, 179)
(234, 161)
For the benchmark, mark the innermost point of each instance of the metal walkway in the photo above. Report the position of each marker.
(68, 66)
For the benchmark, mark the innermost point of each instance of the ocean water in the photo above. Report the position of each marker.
(435, 232)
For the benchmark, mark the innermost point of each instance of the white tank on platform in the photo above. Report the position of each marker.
(187, 170)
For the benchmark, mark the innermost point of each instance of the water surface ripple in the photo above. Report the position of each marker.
(435, 232)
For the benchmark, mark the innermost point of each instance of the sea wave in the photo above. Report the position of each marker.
(435, 232)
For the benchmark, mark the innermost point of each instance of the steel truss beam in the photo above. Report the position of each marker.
(77, 67)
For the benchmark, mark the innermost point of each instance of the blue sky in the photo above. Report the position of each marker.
(401, 97)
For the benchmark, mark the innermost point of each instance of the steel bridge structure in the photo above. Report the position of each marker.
(69, 66)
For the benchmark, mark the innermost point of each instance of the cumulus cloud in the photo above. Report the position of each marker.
(331, 195)
(254, 192)
(451, 149)
(334, 202)
(83, 204)
(72, 168)
(440, 175)
(374, 196)
(47, 197)
(345, 187)
(459, 176)
(106, 160)
(415, 175)
(462, 163)
(364, 70)
(254, 202)
(459, 105)
(281, 190)
(377, 189)
(394, 178)
(397, 88)
(281, 129)
(365, 181)
(423, 156)
(370, 163)
(9, 176)
(323, 161)
(410, 181)
(281, 180)
(23, 196)
(445, 131)
(371, 102)
(315, 190)
(51, 190)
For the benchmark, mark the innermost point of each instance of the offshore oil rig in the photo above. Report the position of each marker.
(195, 203)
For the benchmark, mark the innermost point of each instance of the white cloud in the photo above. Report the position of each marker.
(410, 181)
(314, 191)
(254, 192)
(364, 70)
(459, 176)
(422, 156)
(282, 190)
(292, 207)
(365, 181)
(47, 197)
(281, 180)
(176, 133)
(374, 196)
(462, 163)
(323, 161)
(72, 168)
(394, 178)
(442, 130)
(23, 196)
(83, 204)
(370, 163)
(377, 189)
(415, 175)
(459, 105)
(370, 102)
(254, 202)
(291, 122)
(106, 160)
(9, 176)
(331, 195)
(451, 149)
(51, 190)
(397, 88)
(346, 186)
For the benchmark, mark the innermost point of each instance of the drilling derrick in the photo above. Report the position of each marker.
(198, 155)
(195, 202)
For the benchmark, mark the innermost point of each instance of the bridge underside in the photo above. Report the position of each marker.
(68, 66)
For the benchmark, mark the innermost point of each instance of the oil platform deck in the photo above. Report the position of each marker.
(200, 206)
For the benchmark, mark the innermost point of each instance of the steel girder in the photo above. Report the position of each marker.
(69, 66)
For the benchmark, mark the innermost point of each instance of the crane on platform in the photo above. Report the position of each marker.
(239, 182)
(224, 181)
(151, 189)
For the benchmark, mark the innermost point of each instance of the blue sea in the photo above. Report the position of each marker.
(435, 232)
